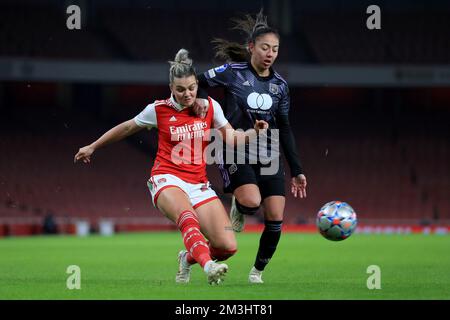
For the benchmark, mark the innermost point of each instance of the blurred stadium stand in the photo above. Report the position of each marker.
(412, 39)
(389, 168)
(384, 150)
(148, 32)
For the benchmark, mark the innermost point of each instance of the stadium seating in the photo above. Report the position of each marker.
(386, 182)
(406, 39)
(38, 177)
(389, 162)
(150, 34)
(48, 37)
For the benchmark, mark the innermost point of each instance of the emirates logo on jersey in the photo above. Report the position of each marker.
(188, 131)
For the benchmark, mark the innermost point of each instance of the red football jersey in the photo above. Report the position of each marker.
(182, 137)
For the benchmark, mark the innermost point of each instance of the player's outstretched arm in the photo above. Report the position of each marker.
(115, 134)
(298, 180)
(236, 137)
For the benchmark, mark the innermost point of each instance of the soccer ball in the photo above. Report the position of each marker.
(336, 220)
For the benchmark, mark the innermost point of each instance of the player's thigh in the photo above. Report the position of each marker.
(273, 192)
(215, 225)
(271, 184)
(172, 201)
(242, 182)
(274, 208)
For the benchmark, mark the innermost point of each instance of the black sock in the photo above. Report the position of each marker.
(268, 243)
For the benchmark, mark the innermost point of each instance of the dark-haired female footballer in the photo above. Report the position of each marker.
(255, 91)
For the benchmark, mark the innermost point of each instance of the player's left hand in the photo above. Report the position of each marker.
(261, 125)
(201, 107)
(84, 154)
(298, 186)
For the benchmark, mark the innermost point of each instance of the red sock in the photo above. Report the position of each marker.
(190, 259)
(194, 241)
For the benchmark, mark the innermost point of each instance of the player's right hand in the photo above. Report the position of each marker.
(261, 125)
(84, 154)
(201, 107)
(298, 186)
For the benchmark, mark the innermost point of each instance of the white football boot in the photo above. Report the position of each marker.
(237, 218)
(255, 276)
(184, 268)
(216, 272)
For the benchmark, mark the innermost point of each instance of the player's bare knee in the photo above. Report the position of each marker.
(222, 254)
(249, 206)
(231, 246)
(253, 201)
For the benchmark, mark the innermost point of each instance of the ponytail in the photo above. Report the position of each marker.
(253, 28)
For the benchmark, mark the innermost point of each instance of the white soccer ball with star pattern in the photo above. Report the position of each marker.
(336, 220)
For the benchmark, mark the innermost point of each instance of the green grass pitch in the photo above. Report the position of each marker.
(306, 266)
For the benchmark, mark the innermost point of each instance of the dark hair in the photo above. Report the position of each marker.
(253, 28)
(181, 66)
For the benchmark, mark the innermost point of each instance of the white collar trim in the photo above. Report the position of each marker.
(175, 104)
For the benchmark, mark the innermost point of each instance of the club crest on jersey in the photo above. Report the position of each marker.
(273, 88)
(162, 180)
